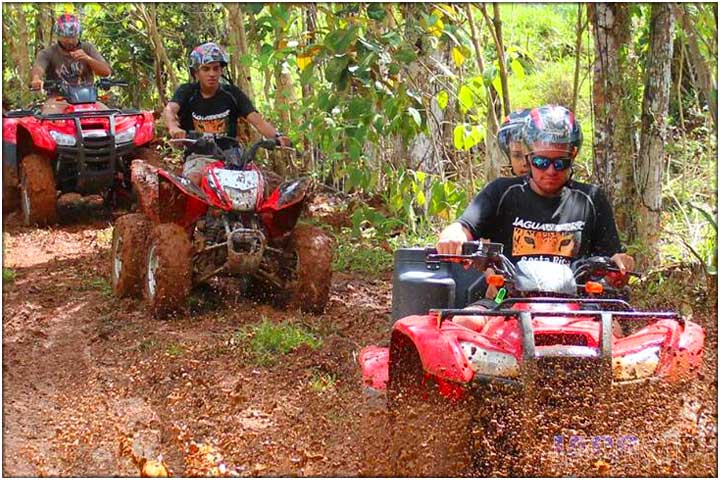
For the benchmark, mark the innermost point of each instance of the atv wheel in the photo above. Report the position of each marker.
(37, 191)
(129, 248)
(430, 434)
(308, 270)
(168, 270)
(149, 155)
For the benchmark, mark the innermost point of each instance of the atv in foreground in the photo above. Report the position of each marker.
(228, 225)
(86, 149)
(469, 381)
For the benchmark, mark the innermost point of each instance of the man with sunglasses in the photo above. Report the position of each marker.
(69, 60)
(545, 215)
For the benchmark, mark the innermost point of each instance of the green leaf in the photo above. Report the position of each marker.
(466, 98)
(355, 151)
(336, 68)
(393, 69)
(253, 8)
(490, 74)
(442, 99)
(459, 136)
(376, 11)
(339, 41)
(406, 55)
(517, 69)
(415, 115)
(458, 57)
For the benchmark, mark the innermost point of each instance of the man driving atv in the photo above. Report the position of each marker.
(545, 215)
(69, 60)
(207, 105)
(510, 141)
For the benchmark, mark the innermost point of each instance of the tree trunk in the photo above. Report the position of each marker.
(705, 83)
(495, 27)
(21, 52)
(43, 26)
(149, 17)
(309, 149)
(579, 29)
(613, 111)
(493, 155)
(654, 124)
(241, 73)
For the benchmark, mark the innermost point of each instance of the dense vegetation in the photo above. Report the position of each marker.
(395, 106)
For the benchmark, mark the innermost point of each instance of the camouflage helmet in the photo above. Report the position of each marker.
(208, 53)
(552, 129)
(511, 130)
(67, 25)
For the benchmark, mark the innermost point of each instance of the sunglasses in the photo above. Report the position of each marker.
(543, 163)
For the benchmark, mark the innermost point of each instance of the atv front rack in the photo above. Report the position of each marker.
(525, 318)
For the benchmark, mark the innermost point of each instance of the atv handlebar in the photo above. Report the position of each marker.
(104, 83)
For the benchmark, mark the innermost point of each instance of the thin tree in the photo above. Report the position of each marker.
(654, 123)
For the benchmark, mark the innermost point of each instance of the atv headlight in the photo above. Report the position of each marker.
(637, 365)
(488, 362)
(126, 136)
(63, 139)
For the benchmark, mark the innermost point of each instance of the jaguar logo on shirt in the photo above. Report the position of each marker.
(215, 123)
(539, 242)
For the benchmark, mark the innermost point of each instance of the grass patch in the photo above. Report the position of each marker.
(147, 345)
(104, 237)
(267, 340)
(323, 382)
(98, 283)
(174, 350)
(351, 257)
(8, 275)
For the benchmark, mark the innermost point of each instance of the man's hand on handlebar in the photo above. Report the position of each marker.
(177, 132)
(283, 141)
(624, 262)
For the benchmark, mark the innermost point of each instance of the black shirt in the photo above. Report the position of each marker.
(577, 223)
(217, 114)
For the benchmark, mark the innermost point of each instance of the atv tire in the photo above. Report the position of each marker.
(430, 434)
(168, 270)
(129, 248)
(308, 289)
(37, 191)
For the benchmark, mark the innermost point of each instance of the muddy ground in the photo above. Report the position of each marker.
(92, 386)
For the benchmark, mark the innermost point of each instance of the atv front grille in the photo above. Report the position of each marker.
(549, 339)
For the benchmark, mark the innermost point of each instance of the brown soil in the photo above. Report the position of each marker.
(93, 386)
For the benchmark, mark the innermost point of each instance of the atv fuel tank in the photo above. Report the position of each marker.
(419, 285)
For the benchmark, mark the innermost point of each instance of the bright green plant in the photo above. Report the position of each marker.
(267, 340)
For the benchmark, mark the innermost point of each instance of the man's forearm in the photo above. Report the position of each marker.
(98, 67)
(171, 119)
(36, 73)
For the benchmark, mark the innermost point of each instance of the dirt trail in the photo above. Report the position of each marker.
(91, 384)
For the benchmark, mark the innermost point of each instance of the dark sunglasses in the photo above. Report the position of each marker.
(543, 163)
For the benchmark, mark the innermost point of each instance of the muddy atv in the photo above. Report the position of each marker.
(476, 386)
(86, 149)
(227, 226)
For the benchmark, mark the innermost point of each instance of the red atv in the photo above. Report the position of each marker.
(489, 376)
(86, 149)
(187, 234)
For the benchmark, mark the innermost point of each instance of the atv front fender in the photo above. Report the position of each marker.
(145, 130)
(439, 352)
(165, 197)
(281, 210)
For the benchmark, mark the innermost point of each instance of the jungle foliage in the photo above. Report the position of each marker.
(395, 105)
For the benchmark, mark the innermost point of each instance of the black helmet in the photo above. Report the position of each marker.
(552, 129)
(511, 129)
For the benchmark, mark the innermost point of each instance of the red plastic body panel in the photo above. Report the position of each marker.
(441, 356)
(374, 364)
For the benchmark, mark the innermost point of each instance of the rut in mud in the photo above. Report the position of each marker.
(92, 385)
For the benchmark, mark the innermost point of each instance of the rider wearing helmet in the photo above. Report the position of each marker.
(545, 215)
(207, 105)
(510, 141)
(69, 60)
